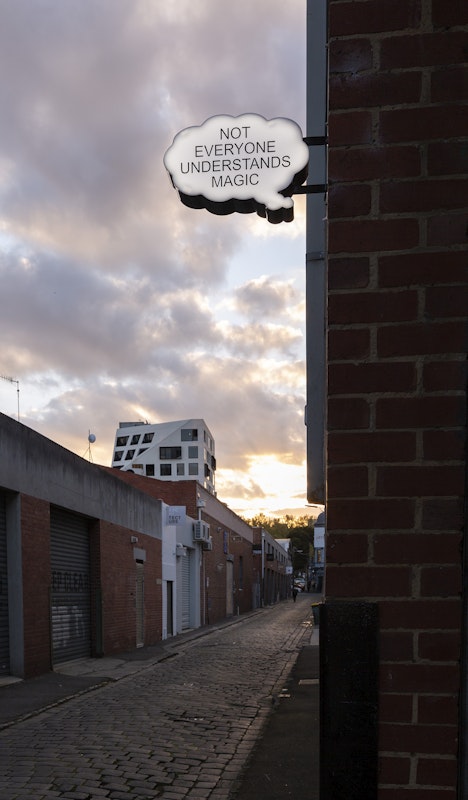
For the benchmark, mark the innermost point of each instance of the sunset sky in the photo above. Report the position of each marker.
(118, 302)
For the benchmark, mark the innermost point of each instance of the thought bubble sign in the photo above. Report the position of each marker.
(244, 164)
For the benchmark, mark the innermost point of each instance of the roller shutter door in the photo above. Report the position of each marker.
(4, 628)
(140, 604)
(70, 595)
(185, 594)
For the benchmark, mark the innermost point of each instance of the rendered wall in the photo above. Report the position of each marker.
(397, 344)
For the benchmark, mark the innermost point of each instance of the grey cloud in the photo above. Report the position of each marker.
(106, 278)
(256, 340)
(266, 297)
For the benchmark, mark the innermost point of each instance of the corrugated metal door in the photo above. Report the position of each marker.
(185, 594)
(169, 608)
(70, 595)
(4, 627)
(140, 604)
(229, 588)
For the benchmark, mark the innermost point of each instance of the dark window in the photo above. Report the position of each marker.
(193, 451)
(213, 463)
(130, 454)
(181, 469)
(166, 453)
(147, 438)
(193, 469)
(189, 434)
(118, 455)
(142, 450)
(207, 471)
(150, 470)
(122, 441)
(165, 470)
(135, 438)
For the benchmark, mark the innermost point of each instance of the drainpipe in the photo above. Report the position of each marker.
(316, 287)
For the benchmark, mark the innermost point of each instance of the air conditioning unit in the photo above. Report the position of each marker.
(208, 545)
(201, 531)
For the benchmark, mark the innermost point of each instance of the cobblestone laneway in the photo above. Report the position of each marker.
(181, 728)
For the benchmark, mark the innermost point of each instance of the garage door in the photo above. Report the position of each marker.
(185, 593)
(70, 596)
(4, 629)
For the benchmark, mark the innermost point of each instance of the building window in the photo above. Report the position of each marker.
(181, 469)
(147, 438)
(121, 441)
(142, 450)
(193, 451)
(135, 438)
(193, 469)
(165, 470)
(207, 472)
(189, 435)
(150, 470)
(118, 455)
(130, 454)
(166, 453)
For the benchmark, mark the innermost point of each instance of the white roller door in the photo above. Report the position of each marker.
(140, 604)
(185, 593)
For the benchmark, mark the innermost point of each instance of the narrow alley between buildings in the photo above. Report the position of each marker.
(178, 726)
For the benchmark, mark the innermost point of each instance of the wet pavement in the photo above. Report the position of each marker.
(208, 714)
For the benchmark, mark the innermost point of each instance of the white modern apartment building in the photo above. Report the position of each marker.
(172, 451)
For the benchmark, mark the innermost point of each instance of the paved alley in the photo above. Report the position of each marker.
(178, 728)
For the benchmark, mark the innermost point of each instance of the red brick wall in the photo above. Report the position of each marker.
(397, 342)
(226, 543)
(35, 524)
(113, 572)
(213, 597)
(118, 583)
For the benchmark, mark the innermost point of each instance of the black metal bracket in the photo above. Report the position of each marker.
(315, 141)
(313, 188)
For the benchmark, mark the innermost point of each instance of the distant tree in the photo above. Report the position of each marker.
(299, 530)
(281, 527)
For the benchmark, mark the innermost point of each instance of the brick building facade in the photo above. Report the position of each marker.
(396, 435)
(70, 572)
(226, 583)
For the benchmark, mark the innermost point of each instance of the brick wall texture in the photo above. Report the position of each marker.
(397, 345)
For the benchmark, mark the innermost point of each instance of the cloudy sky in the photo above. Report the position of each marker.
(118, 302)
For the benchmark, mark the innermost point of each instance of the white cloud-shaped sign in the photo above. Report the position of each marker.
(245, 164)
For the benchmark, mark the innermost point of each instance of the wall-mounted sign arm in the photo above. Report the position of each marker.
(312, 188)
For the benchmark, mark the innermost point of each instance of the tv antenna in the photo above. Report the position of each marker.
(91, 440)
(13, 380)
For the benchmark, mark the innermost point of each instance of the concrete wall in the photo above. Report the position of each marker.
(34, 465)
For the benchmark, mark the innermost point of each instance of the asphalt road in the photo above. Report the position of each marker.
(182, 727)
